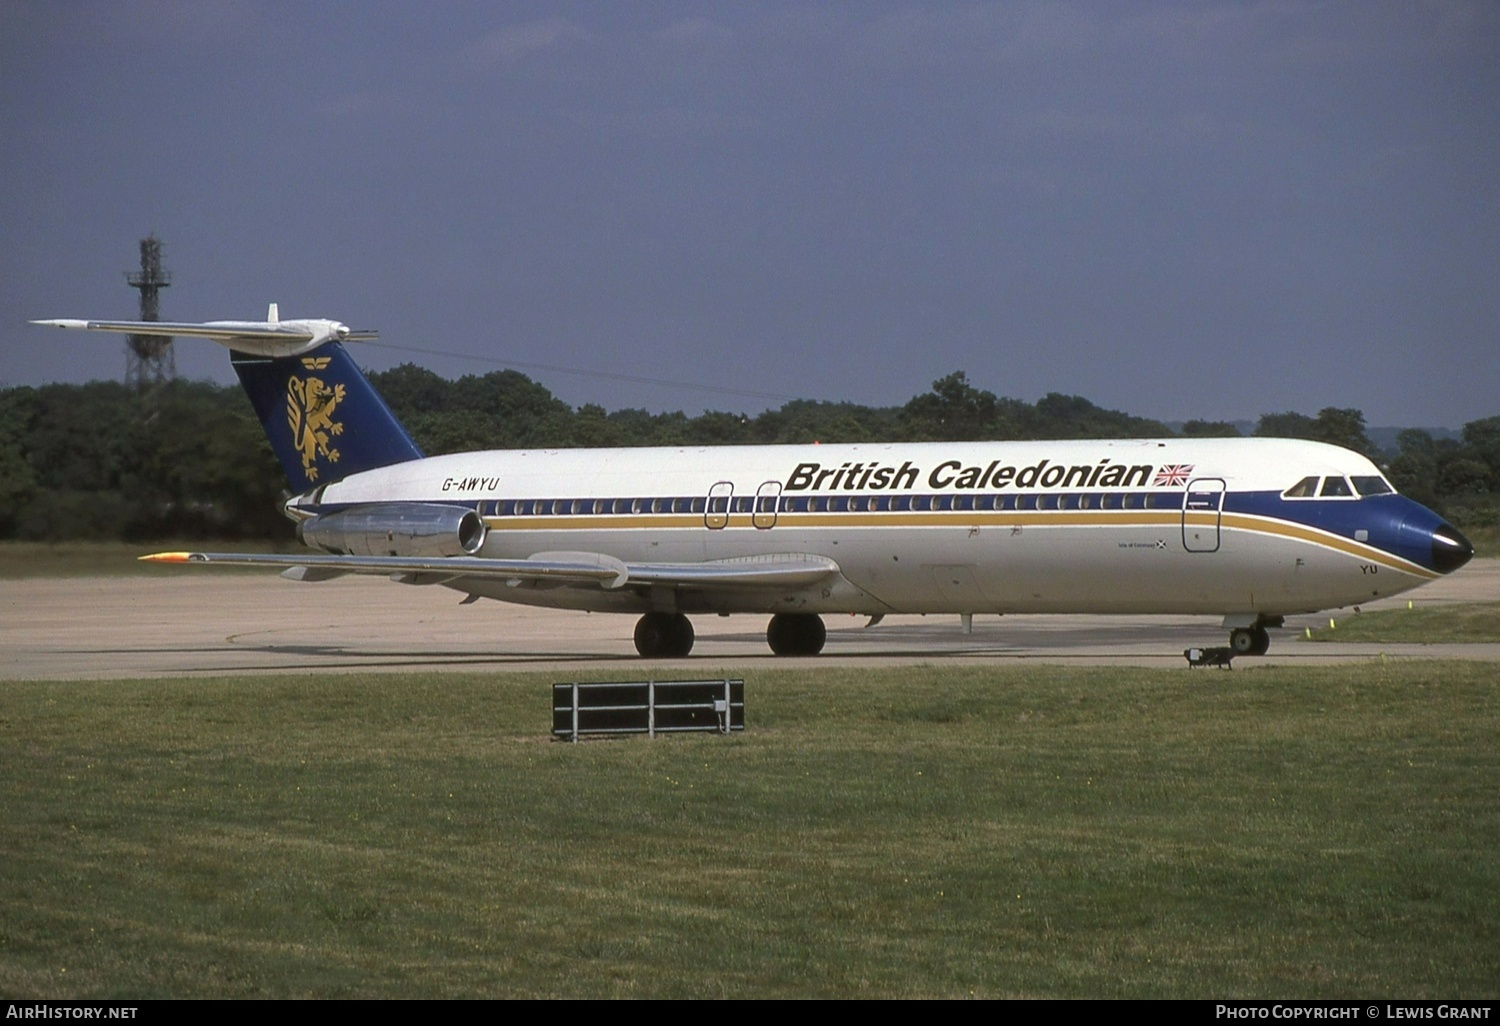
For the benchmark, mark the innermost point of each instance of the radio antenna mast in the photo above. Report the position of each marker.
(149, 362)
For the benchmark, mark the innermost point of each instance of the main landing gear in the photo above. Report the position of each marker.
(670, 635)
(794, 634)
(664, 636)
(1250, 640)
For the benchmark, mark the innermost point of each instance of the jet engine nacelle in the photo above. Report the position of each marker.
(396, 529)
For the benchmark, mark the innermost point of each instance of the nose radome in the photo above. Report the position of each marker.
(1450, 549)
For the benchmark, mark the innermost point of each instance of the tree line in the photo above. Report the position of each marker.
(189, 460)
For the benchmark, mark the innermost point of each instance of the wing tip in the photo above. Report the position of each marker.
(168, 557)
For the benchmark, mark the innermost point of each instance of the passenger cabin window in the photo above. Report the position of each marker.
(1374, 485)
(1336, 487)
(1304, 489)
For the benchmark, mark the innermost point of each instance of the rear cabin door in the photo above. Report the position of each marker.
(1202, 510)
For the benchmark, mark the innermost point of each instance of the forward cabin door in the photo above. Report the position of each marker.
(716, 509)
(767, 497)
(1202, 510)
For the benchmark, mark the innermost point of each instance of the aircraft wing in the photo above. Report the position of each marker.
(568, 568)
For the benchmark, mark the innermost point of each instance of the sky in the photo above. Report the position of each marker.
(1180, 210)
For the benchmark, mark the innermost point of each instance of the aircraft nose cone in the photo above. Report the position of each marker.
(1450, 550)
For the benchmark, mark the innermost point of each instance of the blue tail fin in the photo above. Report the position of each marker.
(324, 420)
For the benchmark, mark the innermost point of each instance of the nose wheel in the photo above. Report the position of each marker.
(1250, 641)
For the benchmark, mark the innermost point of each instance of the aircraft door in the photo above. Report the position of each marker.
(716, 510)
(767, 498)
(1202, 510)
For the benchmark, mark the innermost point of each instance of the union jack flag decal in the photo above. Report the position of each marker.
(1172, 476)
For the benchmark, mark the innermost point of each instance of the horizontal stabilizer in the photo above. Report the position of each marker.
(274, 337)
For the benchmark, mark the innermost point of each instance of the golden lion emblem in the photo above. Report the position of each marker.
(309, 411)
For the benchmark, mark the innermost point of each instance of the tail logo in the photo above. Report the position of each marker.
(310, 404)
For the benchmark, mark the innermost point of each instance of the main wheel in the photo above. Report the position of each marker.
(1250, 641)
(791, 634)
(664, 636)
(1262, 641)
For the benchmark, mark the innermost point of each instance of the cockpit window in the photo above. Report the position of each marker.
(1373, 485)
(1304, 489)
(1336, 486)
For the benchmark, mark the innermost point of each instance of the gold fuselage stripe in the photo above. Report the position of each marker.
(970, 518)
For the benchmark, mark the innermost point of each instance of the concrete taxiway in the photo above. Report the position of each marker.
(213, 623)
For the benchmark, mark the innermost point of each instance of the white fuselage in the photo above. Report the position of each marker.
(1138, 526)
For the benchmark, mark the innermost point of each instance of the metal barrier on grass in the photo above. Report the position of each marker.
(647, 707)
(1221, 657)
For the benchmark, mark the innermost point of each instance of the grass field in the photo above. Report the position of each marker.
(1425, 625)
(909, 832)
(1486, 540)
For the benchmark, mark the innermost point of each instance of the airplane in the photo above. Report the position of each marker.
(1249, 529)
